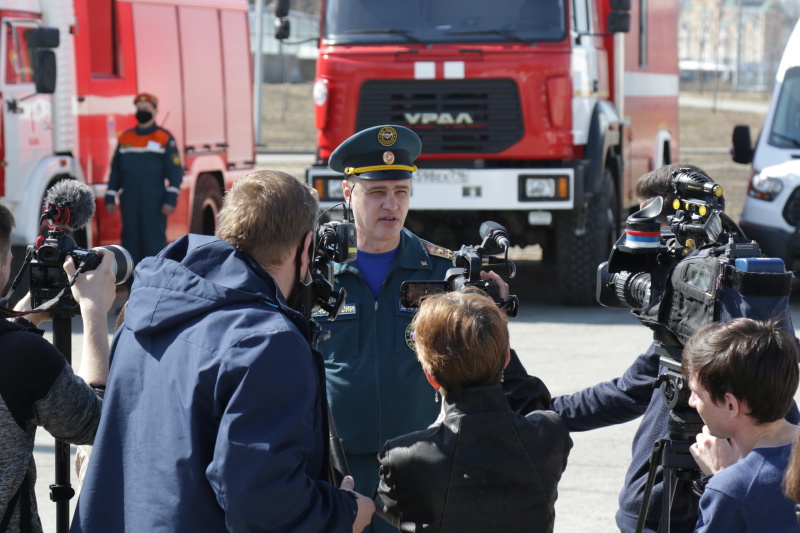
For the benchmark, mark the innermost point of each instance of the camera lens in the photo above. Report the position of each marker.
(123, 262)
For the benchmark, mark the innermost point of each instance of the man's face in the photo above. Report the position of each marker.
(144, 105)
(715, 416)
(380, 208)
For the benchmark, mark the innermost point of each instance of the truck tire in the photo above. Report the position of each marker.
(207, 203)
(580, 252)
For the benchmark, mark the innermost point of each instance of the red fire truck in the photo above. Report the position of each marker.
(194, 55)
(537, 114)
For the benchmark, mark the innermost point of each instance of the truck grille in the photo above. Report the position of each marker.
(791, 211)
(450, 116)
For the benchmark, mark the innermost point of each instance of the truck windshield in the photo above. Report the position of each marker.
(785, 131)
(443, 21)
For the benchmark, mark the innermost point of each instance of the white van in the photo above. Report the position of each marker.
(771, 213)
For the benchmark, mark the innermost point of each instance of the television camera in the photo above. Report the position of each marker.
(467, 265)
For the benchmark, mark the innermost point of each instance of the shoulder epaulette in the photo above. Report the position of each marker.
(436, 250)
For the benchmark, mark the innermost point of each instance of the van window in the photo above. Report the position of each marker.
(785, 131)
(19, 56)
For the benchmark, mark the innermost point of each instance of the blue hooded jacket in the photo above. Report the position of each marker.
(215, 415)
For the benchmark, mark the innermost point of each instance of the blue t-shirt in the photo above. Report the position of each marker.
(374, 268)
(747, 496)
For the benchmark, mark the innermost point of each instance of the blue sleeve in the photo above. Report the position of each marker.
(268, 453)
(719, 512)
(173, 171)
(115, 178)
(611, 402)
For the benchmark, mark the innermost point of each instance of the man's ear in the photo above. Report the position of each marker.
(734, 405)
(347, 190)
(305, 258)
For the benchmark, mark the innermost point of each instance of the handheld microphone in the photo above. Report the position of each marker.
(68, 204)
(495, 234)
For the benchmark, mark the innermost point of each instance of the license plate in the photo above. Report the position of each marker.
(441, 175)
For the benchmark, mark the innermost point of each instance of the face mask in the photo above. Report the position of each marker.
(302, 296)
(143, 116)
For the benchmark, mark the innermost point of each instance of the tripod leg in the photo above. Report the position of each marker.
(655, 460)
(670, 483)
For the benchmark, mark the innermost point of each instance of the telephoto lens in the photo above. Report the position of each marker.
(123, 262)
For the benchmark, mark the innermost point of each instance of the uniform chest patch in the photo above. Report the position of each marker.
(410, 338)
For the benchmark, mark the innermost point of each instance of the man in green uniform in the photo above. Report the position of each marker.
(146, 157)
(376, 388)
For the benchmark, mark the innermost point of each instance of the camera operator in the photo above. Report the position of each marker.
(743, 375)
(215, 415)
(479, 467)
(375, 386)
(632, 395)
(38, 387)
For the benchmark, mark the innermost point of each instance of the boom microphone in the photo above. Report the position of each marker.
(68, 204)
(495, 234)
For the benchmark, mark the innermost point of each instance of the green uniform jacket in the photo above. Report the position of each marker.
(376, 387)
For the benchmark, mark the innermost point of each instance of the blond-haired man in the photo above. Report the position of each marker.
(216, 417)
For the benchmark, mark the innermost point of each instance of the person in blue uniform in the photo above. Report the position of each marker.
(146, 157)
(216, 418)
(376, 388)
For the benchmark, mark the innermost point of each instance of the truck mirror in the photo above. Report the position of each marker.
(620, 5)
(42, 37)
(281, 8)
(45, 72)
(282, 29)
(618, 22)
(741, 146)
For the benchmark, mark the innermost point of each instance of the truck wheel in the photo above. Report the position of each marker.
(207, 203)
(579, 252)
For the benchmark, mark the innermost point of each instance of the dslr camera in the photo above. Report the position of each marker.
(467, 265)
(46, 276)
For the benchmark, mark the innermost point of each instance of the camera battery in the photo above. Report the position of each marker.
(760, 264)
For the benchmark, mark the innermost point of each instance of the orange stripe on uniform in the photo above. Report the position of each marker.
(132, 139)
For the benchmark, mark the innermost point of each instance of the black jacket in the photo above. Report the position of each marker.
(480, 467)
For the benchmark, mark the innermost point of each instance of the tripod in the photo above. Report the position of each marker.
(673, 453)
(677, 464)
(61, 491)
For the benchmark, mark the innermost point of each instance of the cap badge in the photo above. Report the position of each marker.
(387, 136)
(388, 158)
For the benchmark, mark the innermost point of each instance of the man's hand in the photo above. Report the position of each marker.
(167, 210)
(714, 454)
(26, 304)
(366, 507)
(111, 209)
(502, 286)
(95, 289)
